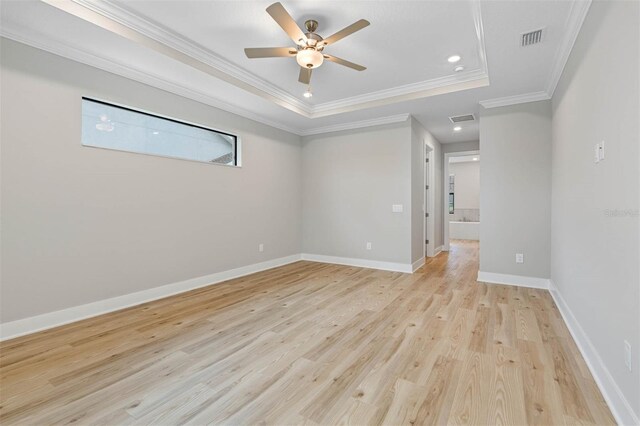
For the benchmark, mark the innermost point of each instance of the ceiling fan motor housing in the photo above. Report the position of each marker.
(313, 40)
(311, 25)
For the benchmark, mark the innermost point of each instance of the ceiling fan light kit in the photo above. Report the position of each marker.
(309, 58)
(309, 46)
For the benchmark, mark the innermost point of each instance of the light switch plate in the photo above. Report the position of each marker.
(596, 153)
(397, 208)
(601, 151)
(519, 258)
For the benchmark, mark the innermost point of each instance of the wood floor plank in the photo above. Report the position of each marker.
(312, 343)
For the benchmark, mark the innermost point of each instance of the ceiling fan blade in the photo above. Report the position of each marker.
(345, 63)
(305, 75)
(270, 52)
(286, 22)
(356, 26)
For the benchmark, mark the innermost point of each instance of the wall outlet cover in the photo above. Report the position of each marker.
(519, 258)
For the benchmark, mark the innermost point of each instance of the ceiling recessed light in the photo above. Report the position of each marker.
(475, 158)
(457, 129)
(458, 68)
(156, 132)
(453, 58)
(307, 94)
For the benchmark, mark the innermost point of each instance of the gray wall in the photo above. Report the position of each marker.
(515, 195)
(595, 251)
(351, 180)
(83, 224)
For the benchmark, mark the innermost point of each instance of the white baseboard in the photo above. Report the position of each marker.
(517, 280)
(438, 250)
(620, 407)
(361, 263)
(417, 264)
(30, 325)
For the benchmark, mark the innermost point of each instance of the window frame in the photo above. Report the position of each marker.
(236, 150)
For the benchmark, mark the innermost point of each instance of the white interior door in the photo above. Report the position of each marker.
(427, 237)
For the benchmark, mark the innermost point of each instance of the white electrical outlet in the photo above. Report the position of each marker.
(627, 354)
(601, 151)
(260, 247)
(397, 208)
(368, 246)
(519, 258)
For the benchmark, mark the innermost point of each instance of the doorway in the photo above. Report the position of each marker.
(461, 197)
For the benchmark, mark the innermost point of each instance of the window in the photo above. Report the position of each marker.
(114, 127)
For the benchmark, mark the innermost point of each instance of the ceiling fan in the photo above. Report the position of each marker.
(309, 46)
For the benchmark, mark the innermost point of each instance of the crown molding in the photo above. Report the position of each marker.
(515, 99)
(573, 24)
(119, 20)
(399, 118)
(167, 37)
(460, 81)
(437, 86)
(89, 11)
(71, 52)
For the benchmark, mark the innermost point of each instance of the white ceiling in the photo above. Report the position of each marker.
(395, 52)
(200, 55)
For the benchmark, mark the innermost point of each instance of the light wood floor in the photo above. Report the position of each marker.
(312, 343)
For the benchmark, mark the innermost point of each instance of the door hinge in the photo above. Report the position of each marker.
(426, 215)
(426, 187)
(426, 241)
(426, 160)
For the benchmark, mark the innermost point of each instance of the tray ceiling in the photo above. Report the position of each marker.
(195, 48)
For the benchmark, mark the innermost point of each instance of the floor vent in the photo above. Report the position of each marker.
(532, 37)
(459, 118)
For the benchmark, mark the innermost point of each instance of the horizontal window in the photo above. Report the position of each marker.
(114, 127)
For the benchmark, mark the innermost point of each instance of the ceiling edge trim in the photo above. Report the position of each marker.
(573, 24)
(193, 54)
(515, 99)
(81, 56)
(421, 89)
(577, 15)
(176, 41)
(398, 118)
(105, 22)
(399, 94)
(482, 52)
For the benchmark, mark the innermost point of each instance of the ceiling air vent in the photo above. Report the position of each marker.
(459, 118)
(531, 37)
